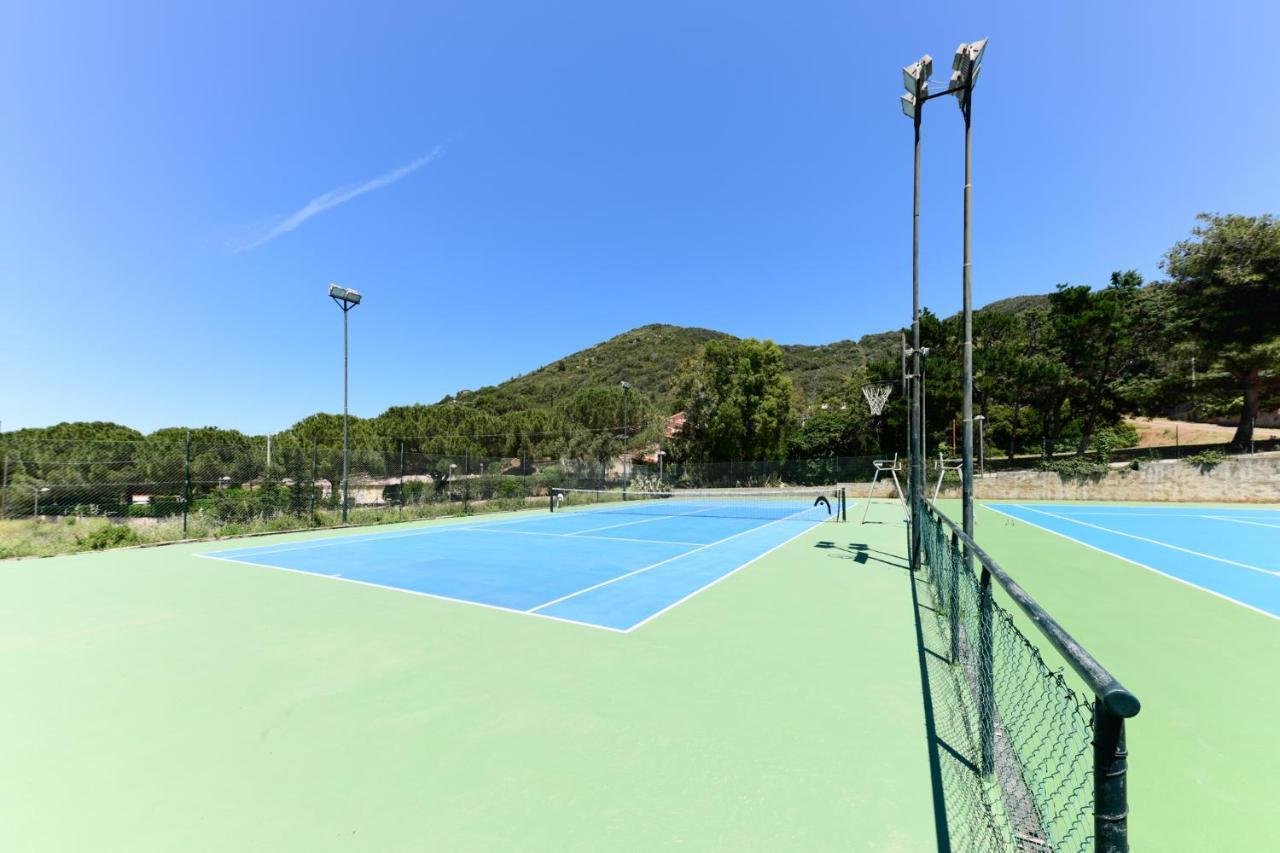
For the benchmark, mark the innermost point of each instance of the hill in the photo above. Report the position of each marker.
(649, 357)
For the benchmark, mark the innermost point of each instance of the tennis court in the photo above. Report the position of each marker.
(1227, 551)
(168, 701)
(606, 559)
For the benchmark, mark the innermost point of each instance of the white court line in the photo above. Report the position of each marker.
(1156, 542)
(715, 581)
(579, 536)
(1152, 569)
(448, 527)
(1241, 521)
(413, 592)
(668, 560)
(1074, 513)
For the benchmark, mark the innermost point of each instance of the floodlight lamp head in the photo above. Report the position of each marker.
(968, 57)
(344, 294)
(915, 77)
(626, 386)
(909, 106)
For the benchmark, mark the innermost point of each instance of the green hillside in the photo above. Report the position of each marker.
(649, 357)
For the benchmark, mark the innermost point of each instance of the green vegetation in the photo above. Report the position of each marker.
(1070, 469)
(738, 402)
(1053, 374)
(1206, 458)
(1226, 284)
(26, 537)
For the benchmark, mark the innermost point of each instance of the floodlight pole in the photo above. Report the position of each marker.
(346, 434)
(966, 105)
(917, 458)
(346, 299)
(626, 387)
(915, 79)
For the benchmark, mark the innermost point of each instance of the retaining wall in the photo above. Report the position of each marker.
(1251, 479)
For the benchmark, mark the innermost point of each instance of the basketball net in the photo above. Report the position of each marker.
(877, 395)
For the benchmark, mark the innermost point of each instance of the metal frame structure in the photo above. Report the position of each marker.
(890, 467)
(966, 66)
(943, 466)
(1113, 703)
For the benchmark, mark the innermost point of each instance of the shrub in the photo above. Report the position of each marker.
(1075, 468)
(1206, 459)
(512, 487)
(109, 536)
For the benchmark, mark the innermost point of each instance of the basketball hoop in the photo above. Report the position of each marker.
(877, 394)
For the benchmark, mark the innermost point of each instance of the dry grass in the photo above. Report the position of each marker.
(1163, 432)
(47, 537)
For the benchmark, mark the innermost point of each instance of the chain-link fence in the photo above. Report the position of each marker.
(789, 472)
(1028, 760)
(66, 495)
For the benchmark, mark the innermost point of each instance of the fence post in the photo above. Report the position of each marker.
(953, 595)
(466, 479)
(186, 483)
(314, 446)
(402, 479)
(986, 676)
(4, 485)
(1110, 785)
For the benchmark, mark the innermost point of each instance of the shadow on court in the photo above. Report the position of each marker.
(965, 806)
(862, 554)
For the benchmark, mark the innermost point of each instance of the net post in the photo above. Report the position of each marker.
(844, 505)
(1110, 782)
(953, 597)
(986, 673)
(186, 482)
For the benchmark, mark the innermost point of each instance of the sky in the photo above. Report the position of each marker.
(507, 183)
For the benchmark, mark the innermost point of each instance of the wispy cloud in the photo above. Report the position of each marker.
(332, 199)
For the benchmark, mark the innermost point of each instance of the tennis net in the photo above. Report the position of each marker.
(808, 505)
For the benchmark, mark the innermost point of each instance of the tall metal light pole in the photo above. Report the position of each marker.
(966, 66)
(915, 78)
(346, 299)
(982, 443)
(626, 387)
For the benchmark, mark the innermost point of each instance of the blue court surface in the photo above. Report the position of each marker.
(1233, 552)
(612, 566)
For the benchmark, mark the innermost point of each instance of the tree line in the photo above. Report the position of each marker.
(1058, 376)
(1055, 375)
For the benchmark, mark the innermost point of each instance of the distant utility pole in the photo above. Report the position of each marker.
(1193, 388)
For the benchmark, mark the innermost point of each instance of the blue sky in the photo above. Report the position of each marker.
(509, 182)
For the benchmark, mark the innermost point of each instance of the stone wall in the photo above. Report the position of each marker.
(1249, 479)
